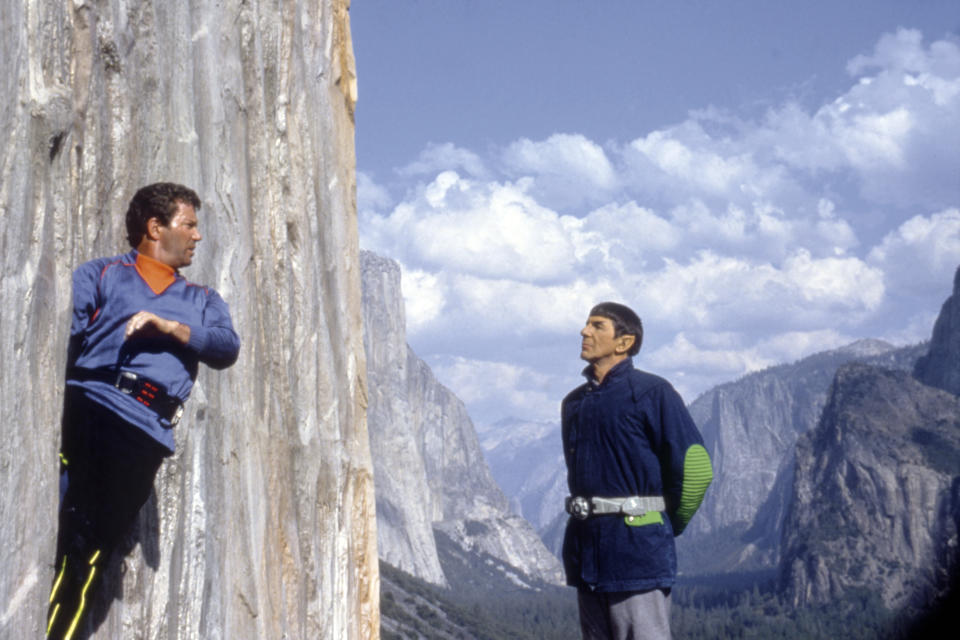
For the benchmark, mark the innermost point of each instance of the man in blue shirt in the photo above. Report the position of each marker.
(637, 471)
(138, 334)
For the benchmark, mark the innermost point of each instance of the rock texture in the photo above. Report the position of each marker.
(262, 526)
(940, 367)
(406, 505)
(876, 500)
(526, 459)
(429, 469)
(750, 428)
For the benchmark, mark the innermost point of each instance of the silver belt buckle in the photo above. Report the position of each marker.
(126, 381)
(578, 507)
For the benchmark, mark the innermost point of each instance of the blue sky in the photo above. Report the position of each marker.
(759, 180)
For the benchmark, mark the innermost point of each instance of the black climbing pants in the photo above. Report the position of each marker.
(107, 468)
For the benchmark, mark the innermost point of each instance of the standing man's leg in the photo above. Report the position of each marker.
(632, 615)
(641, 615)
(594, 615)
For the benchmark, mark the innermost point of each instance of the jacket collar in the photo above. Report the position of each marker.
(156, 274)
(618, 370)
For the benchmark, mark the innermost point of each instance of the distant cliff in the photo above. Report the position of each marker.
(429, 469)
(263, 522)
(876, 500)
(526, 458)
(750, 428)
(940, 367)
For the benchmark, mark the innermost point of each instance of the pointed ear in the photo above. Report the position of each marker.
(624, 343)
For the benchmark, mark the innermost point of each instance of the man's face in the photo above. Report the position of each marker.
(178, 239)
(598, 340)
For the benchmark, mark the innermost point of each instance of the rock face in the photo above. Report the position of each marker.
(526, 459)
(429, 469)
(406, 505)
(263, 522)
(876, 503)
(940, 367)
(750, 428)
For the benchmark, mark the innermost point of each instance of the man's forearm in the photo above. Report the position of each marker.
(146, 323)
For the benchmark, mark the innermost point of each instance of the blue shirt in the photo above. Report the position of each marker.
(630, 435)
(107, 292)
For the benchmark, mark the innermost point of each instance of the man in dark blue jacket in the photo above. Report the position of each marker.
(637, 471)
(138, 334)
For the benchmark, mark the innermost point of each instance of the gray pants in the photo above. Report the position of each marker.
(629, 615)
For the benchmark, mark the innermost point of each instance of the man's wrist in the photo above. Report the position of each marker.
(181, 332)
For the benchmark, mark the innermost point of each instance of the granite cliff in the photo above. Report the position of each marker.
(876, 499)
(940, 367)
(750, 428)
(875, 502)
(263, 522)
(527, 461)
(430, 474)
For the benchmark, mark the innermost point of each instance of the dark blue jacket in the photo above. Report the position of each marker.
(631, 435)
(106, 293)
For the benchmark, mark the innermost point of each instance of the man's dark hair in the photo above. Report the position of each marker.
(625, 322)
(158, 201)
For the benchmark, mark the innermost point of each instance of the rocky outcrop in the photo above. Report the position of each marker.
(263, 522)
(940, 367)
(406, 505)
(526, 459)
(429, 468)
(875, 502)
(750, 428)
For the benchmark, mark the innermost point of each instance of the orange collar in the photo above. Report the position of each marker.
(156, 274)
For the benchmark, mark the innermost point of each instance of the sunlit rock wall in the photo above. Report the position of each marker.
(405, 504)
(430, 471)
(262, 524)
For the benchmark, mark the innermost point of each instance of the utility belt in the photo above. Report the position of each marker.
(581, 507)
(147, 392)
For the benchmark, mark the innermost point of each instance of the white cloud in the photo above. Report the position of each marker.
(629, 236)
(833, 231)
(875, 140)
(486, 229)
(496, 389)
(742, 244)
(835, 282)
(424, 296)
(712, 290)
(436, 158)
(922, 253)
(903, 52)
(370, 195)
(512, 308)
(564, 169)
(698, 168)
(897, 130)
